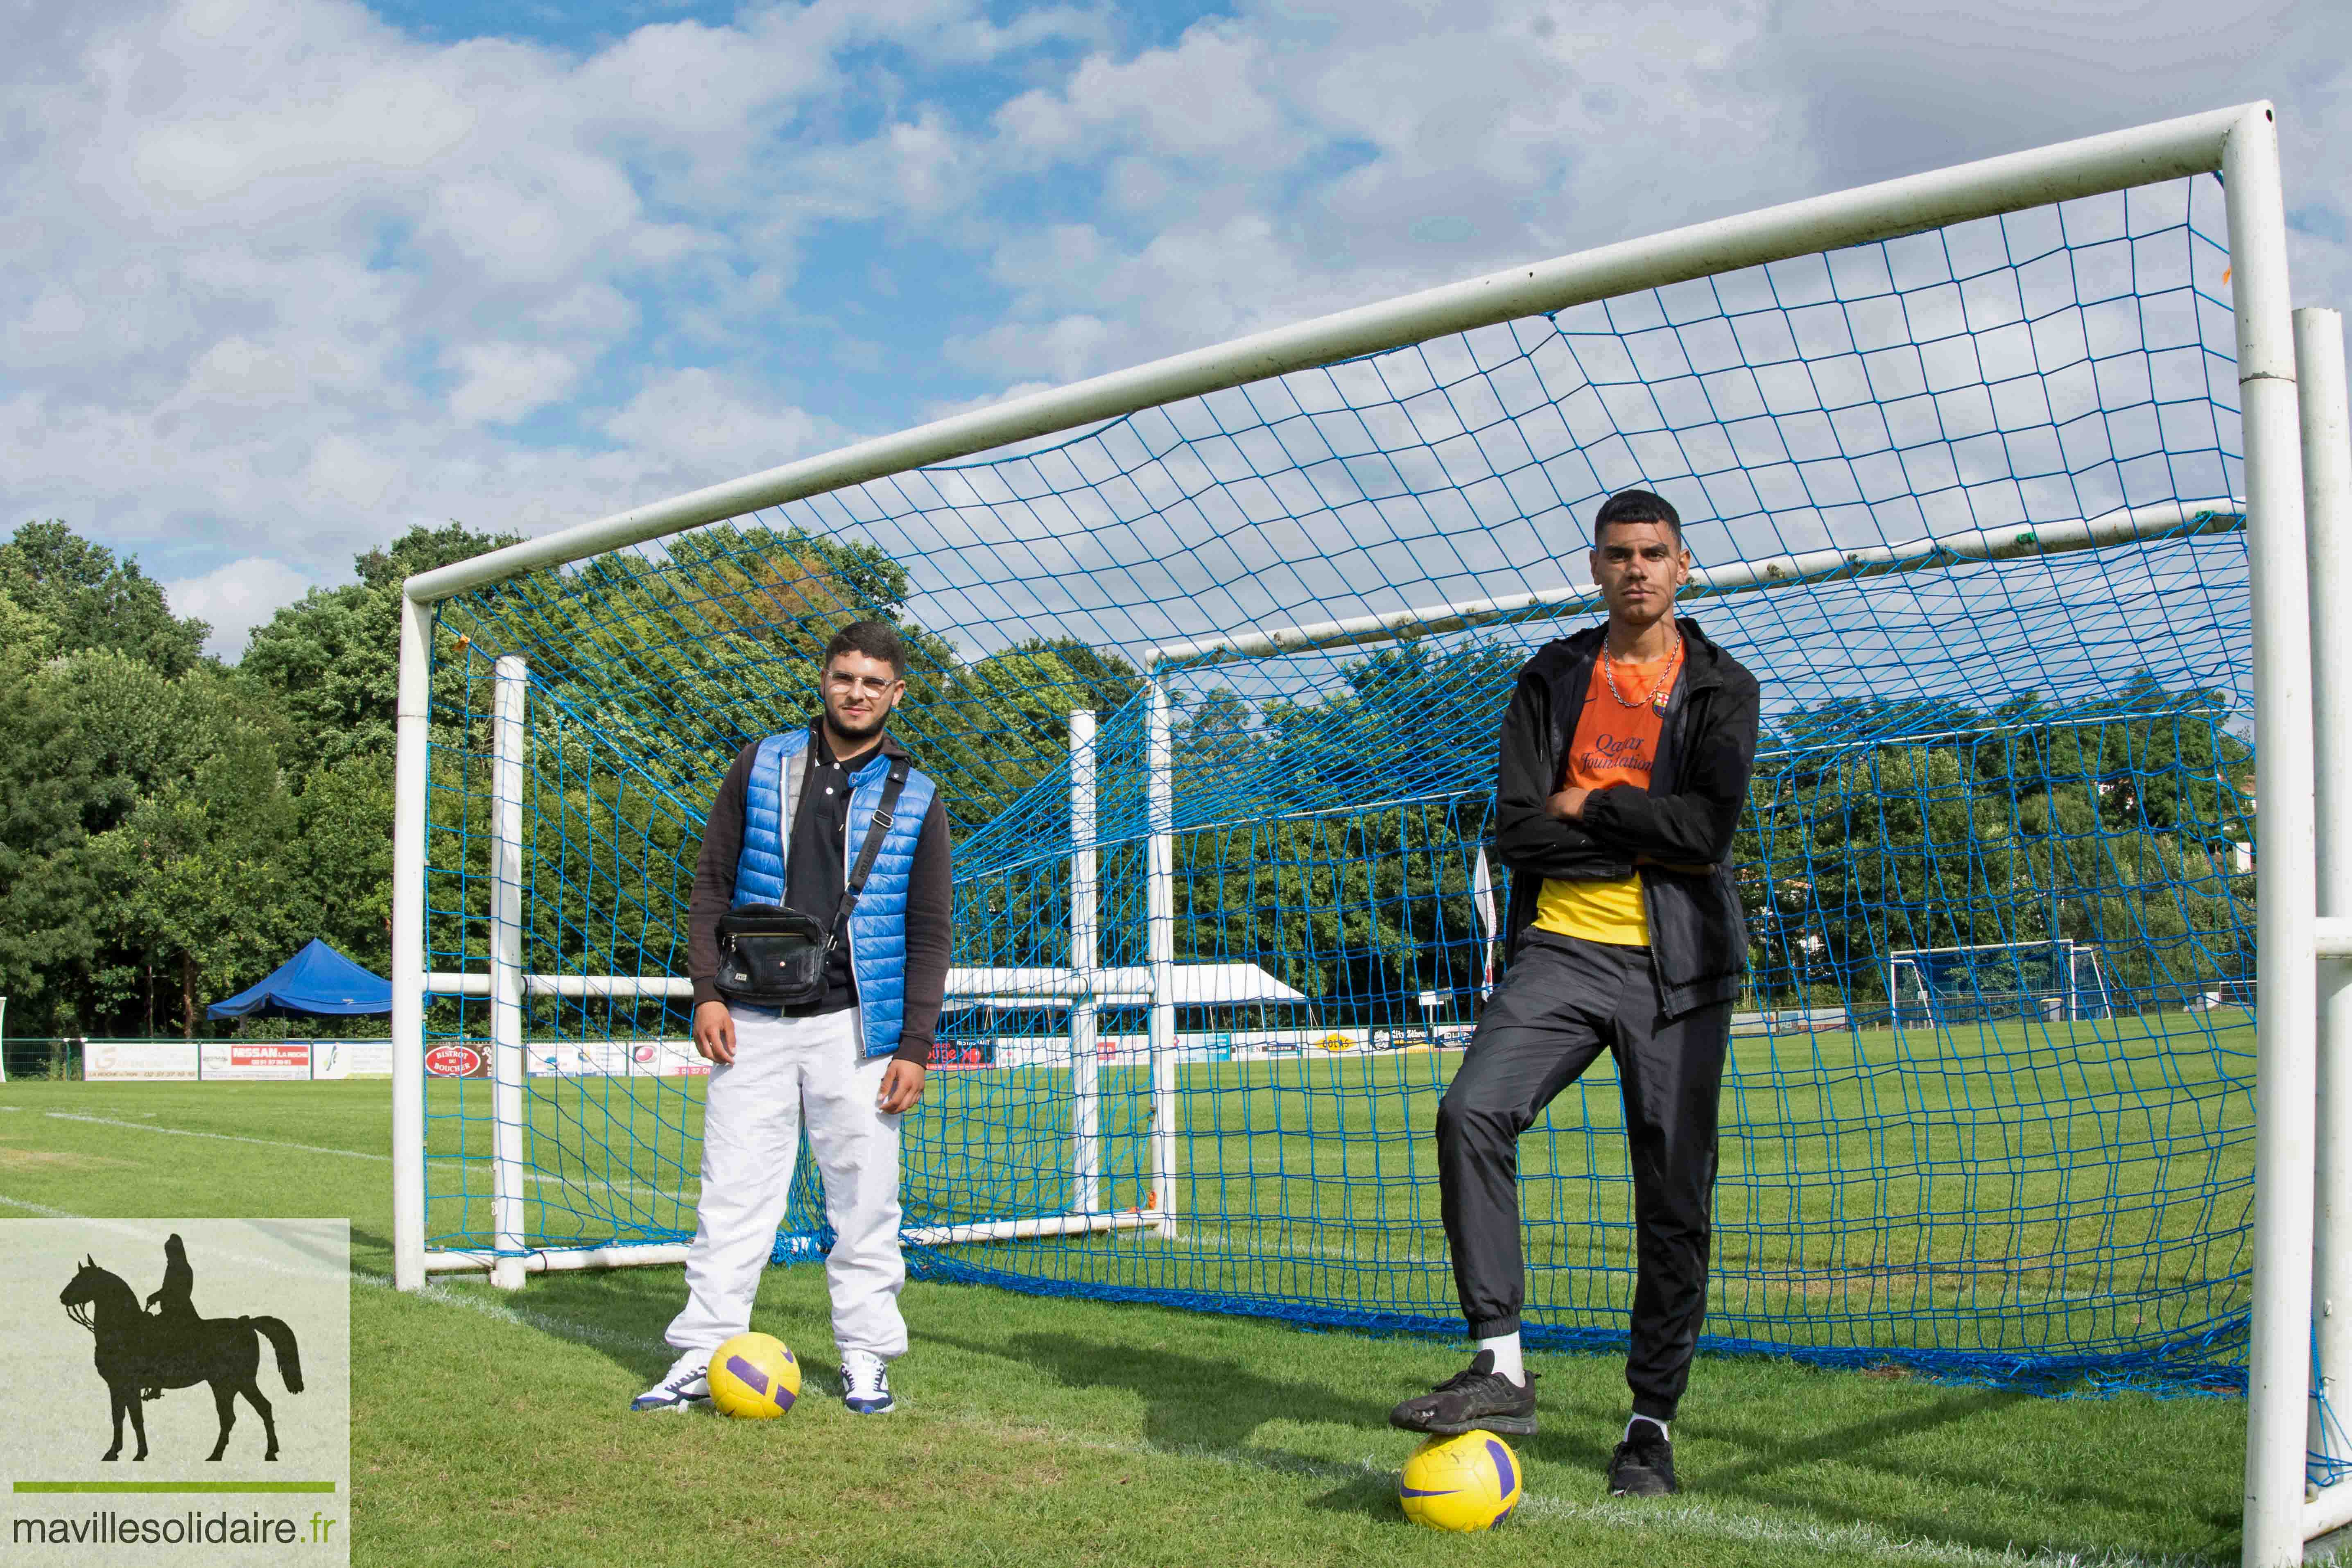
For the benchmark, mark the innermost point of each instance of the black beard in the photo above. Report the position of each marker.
(833, 722)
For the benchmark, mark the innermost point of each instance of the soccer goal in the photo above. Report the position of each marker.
(2057, 982)
(1995, 478)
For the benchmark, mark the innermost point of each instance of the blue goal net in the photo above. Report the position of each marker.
(1212, 693)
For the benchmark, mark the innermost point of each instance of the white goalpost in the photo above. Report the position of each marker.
(2294, 514)
(2326, 436)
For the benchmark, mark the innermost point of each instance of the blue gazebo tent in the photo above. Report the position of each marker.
(317, 981)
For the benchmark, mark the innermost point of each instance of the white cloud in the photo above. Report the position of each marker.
(1274, 165)
(280, 268)
(507, 382)
(705, 427)
(280, 263)
(950, 408)
(341, 469)
(1269, 168)
(236, 598)
(1212, 96)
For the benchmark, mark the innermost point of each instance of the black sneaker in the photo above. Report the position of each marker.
(1644, 1463)
(1476, 1399)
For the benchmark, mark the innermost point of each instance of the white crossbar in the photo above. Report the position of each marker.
(2219, 516)
(443, 983)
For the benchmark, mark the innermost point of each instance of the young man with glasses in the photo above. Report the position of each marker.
(789, 829)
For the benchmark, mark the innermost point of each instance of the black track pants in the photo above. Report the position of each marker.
(1565, 1000)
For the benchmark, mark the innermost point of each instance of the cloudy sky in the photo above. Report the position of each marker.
(288, 275)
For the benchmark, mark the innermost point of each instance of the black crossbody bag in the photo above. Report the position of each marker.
(771, 956)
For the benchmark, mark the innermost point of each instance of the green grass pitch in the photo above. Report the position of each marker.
(491, 1427)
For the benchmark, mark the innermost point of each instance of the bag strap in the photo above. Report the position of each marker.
(891, 789)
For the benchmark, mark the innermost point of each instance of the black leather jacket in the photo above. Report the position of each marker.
(1677, 833)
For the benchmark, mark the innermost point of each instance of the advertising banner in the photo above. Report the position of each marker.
(255, 1059)
(459, 1059)
(351, 1058)
(139, 1060)
(613, 1058)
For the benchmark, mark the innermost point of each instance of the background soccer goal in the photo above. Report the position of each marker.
(2059, 982)
(1993, 477)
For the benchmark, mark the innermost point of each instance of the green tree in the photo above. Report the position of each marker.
(90, 600)
(331, 659)
(202, 874)
(84, 739)
(170, 830)
(994, 728)
(26, 639)
(338, 876)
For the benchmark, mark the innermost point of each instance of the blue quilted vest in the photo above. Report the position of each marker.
(877, 928)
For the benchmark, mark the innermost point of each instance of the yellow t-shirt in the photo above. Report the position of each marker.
(1613, 744)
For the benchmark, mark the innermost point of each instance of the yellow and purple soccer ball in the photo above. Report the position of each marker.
(754, 1377)
(1469, 1482)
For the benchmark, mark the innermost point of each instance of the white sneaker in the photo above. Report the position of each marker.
(865, 1384)
(685, 1386)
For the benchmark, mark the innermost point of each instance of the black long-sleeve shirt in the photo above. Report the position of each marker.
(814, 875)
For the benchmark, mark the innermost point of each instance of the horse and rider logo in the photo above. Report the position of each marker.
(143, 1351)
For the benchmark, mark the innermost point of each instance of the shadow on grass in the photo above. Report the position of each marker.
(1218, 1405)
(1189, 1401)
(1368, 1496)
(1214, 1408)
(1793, 1446)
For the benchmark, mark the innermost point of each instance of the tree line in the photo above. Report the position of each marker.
(171, 826)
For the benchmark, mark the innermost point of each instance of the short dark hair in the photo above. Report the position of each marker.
(1637, 506)
(874, 639)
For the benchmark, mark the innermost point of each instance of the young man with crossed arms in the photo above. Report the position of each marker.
(787, 828)
(1625, 755)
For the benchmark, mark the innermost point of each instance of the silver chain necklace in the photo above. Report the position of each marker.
(1656, 695)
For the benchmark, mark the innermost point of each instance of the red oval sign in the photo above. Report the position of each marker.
(453, 1061)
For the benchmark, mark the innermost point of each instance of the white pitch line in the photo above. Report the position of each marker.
(223, 1137)
(42, 1209)
(518, 1317)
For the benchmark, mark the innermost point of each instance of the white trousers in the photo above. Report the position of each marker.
(788, 1072)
